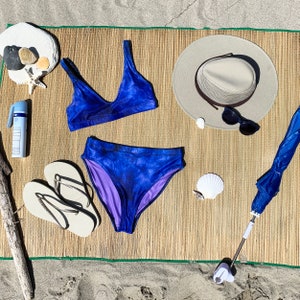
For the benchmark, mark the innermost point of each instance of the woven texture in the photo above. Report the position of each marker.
(176, 225)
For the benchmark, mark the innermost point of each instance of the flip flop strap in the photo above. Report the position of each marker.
(58, 182)
(45, 203)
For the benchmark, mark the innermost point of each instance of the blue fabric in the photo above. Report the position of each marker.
(88, 108)
(128, 179)
(268, 184)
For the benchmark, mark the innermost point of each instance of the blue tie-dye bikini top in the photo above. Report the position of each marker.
(88, 108)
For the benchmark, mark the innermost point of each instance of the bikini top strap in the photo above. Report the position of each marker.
(71, 69)
(128, 57)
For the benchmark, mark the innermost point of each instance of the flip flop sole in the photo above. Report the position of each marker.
(37, 196)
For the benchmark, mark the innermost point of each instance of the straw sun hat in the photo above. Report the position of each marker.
(220, 71)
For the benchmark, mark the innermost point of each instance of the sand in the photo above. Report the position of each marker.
(88, 280)
(105, 280)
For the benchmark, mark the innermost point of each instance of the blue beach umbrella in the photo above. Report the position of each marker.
(268, 184)
(268, 187)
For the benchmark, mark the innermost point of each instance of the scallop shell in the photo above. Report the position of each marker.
(209, 186)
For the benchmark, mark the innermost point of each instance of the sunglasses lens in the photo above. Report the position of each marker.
(230, 116)
(249, 127)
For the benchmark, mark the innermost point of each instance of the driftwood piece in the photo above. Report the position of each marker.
(12, 232)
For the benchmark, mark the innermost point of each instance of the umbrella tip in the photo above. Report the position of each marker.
(224, 271)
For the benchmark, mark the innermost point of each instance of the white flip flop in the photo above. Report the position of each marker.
(69, 184)
(42, 202)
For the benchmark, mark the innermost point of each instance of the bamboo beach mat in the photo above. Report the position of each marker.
(176, 226)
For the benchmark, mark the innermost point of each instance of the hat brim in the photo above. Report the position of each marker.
(195, 54)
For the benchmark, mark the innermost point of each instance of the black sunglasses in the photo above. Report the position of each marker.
(231, 116)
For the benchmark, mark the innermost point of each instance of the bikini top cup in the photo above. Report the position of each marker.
(88, 108)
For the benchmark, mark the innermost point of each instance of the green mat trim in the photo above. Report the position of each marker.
(160, 27)
(146, 260)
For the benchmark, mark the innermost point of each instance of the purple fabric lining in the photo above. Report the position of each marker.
(106, 190)
(152, 194)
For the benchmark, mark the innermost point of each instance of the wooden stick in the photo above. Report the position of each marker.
(12, 232)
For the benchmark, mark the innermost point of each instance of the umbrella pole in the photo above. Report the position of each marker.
(12, 233)
(245, 236)
(226, 270)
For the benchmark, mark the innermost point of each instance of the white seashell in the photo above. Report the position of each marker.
(200, 123)
(26, 35)
(209, 186)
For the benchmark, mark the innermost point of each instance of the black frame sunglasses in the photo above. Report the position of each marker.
(232, 116)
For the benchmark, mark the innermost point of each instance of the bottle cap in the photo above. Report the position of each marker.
(20, 107)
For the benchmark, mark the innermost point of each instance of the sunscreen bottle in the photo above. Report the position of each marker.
(18, 118)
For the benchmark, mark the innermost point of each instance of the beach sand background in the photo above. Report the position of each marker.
(86, 279)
